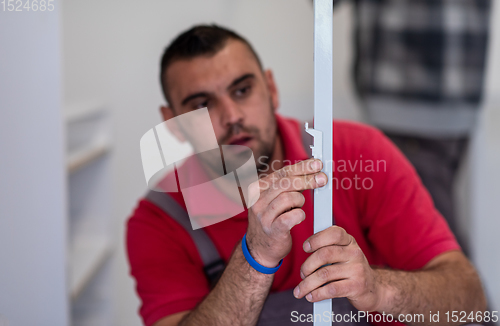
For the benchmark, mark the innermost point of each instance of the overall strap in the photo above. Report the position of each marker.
(212, 262)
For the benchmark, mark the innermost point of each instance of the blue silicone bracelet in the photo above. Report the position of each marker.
(258, 267)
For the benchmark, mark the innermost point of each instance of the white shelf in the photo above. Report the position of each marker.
(78, 111)
(86, 123)
(87, 255)
(86, 155)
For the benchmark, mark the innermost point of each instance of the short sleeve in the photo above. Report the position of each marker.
(396, 211)
(165, 264)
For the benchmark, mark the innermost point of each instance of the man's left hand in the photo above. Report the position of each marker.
(347, 273)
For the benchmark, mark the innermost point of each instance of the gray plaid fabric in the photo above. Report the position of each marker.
(420, 64)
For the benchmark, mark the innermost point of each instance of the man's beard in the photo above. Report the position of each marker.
(262, 152)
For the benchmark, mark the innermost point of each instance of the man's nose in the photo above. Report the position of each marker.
(231, 113)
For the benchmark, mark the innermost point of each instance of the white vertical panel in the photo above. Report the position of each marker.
(32, 171)
(323, 122)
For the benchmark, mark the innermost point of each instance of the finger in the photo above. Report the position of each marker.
(285, 222)
(284, 202)
(293, 183)
(302, 168)
(324, 256)
(337, 289)
(290, 184)
(319, 278)
(333, 235)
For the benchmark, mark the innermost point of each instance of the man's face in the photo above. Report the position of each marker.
(240, 98)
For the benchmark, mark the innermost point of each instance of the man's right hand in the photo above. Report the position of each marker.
(278, 209)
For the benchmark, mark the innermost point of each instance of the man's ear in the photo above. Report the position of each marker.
(168, 113)
(273, 89)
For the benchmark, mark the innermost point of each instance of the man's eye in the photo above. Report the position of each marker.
(243, 91)
(201, 105)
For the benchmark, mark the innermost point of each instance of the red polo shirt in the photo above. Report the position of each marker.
(378, 199)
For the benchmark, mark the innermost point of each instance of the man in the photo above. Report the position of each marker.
(389, 252)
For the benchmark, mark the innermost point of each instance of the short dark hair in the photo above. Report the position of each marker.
(200, 40)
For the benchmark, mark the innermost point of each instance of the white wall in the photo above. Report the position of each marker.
(32, 179)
